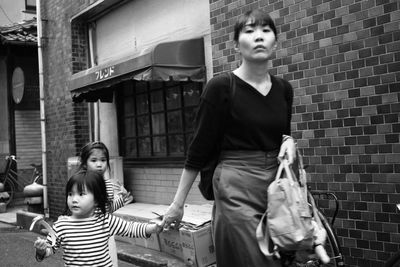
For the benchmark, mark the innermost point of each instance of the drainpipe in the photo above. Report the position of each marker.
(96, 120)
(42, 113)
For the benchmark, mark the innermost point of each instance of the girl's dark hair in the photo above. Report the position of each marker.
(92, 182)
(257, 17)
(86, 151)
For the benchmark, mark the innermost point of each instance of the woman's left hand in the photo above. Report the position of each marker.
(288, 150)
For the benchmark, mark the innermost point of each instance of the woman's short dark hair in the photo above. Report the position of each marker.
(87, 150)
(91, 181)
(258, 17)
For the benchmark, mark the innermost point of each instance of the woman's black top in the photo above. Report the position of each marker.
(253, 121)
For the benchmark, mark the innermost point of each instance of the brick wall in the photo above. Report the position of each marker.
(66, 122)
(158, 185)
(343, 60)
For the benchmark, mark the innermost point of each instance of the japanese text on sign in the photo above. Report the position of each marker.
(104, 73)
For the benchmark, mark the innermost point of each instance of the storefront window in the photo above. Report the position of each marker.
(156, 119)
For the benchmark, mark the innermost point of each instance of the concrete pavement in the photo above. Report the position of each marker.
(16, 246)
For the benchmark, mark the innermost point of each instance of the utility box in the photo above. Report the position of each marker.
(72, 165)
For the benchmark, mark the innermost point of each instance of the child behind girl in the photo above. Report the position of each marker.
(95, 157)
(84, 232)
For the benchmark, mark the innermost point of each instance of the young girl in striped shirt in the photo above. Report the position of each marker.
(84, 232)
(94, 156)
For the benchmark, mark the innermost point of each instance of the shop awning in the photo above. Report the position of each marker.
(177, 61)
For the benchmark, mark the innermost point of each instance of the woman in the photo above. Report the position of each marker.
(256, 132)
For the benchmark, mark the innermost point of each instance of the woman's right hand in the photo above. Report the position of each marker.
(173, 216)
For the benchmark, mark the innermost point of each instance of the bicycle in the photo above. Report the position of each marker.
(9, 182)
(332, 246)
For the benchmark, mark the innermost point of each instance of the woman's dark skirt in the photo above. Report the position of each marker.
(240, 188)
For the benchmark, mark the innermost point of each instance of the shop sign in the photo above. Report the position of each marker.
(104, 73)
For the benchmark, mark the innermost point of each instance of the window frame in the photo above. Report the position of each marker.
(169, 159)
(31, 8)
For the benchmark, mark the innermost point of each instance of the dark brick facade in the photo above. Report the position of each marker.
(66, 122)
(342, 58)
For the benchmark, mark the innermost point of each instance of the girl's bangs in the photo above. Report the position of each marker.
(79, 181)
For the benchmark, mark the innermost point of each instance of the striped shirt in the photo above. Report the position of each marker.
(116, 201)
(85, 241)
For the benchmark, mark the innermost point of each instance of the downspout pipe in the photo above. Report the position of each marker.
(95, 114)
(42, 109)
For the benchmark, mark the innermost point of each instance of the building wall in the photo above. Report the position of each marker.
(12, 12)
(4, 114)
(20, 123)
(343, 60)
(129, 30)
(66, 122)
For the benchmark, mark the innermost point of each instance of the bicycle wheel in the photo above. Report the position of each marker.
(332, 245)
(394, 261)
(7, 191)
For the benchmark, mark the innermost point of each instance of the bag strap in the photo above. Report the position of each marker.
(262, 235)
(262, 231)
(230, 94)
(310, 199)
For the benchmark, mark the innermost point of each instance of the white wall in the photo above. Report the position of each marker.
(11, 12)
(139, 25)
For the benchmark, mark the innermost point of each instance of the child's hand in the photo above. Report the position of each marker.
(41, 246)
(154, 227)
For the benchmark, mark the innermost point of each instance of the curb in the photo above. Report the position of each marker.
(141, 260)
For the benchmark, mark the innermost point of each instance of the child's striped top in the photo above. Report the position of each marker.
(85, 241)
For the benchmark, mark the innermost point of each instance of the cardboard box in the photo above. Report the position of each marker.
(197, 246)
(151, 242)
(170, 242)
(193, 242)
